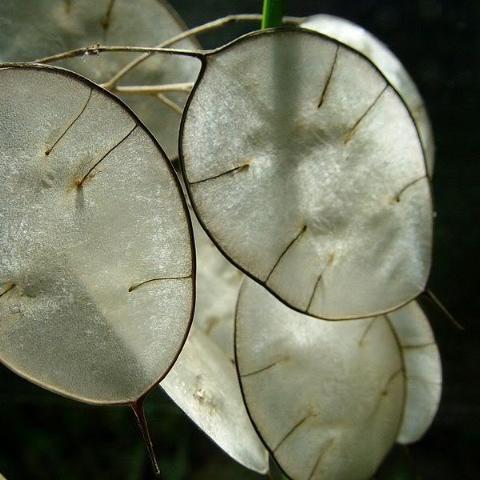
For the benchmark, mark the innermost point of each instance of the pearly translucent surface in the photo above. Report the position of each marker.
(306, 169)
(62, 25)
(423, 370)
(218, 283)
(327, 398)
(203, 383)
(378, 53)
(96, 286)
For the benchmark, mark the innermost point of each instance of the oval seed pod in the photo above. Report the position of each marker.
(423, 370)
(203, 383)
(96, 257)
(306, 169)
(379, 54)
(62, 25)
(326, 398)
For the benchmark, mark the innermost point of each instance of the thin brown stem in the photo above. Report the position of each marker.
(105, 23)
(263, 369)
(291, 431)
(70, 125)
(352, 131)
(138, 410)
(80, 182)
(241, 168)
(329, 78)
(8, 287)
(98, 49)
(169, 103)
(284, 251)
(443, 309)
(157, 279)
(153, 89)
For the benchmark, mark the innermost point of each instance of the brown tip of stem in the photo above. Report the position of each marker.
(139, 411)
(444, 309)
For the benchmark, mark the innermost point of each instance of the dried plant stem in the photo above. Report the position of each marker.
(153, 89)
(98, 49)
(219, 23)
(170, 103)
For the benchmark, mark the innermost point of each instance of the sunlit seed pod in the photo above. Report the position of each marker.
(203, 383)
(327, 398)
(96, 255)
(305, 168)
(378, 53)
(61, 25)
(423, 370)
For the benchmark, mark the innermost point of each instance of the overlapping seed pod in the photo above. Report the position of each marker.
(330, 399)
(307, 170)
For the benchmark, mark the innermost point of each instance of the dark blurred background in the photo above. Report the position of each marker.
(44, 436)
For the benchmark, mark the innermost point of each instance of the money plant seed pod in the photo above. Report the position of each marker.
(329, 399)
(204, 384)
(96, 256)
(379, 54)
(305, 167)
(64, 25)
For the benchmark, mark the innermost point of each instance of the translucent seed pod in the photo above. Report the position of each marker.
(330, 399)
(305, 167)
(96, 253)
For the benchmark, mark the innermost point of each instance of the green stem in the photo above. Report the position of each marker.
(272, 13)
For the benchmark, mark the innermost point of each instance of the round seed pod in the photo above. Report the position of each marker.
(330, 399)
(380, 55)
(305, 167)
(96, 255)
(62, 25)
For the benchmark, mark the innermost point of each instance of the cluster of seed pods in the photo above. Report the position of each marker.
(306, 154)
